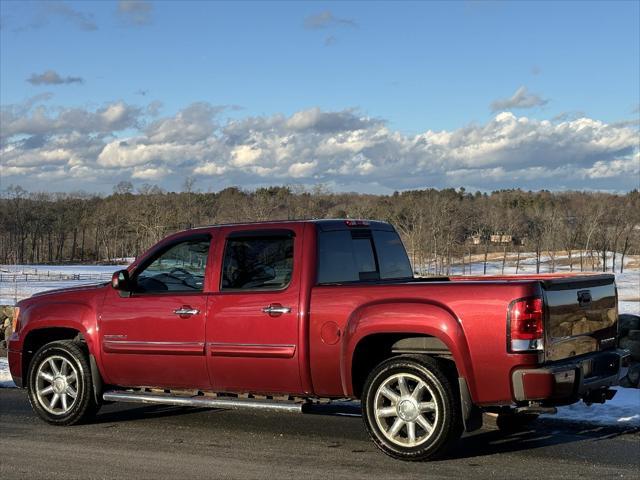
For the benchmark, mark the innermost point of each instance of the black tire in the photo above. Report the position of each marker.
(515, 422)
(445, 422)
(69, 357)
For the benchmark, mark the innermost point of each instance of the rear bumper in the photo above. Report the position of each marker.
(566, 382)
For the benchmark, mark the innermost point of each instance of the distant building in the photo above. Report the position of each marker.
(501, 238)
(496, 238)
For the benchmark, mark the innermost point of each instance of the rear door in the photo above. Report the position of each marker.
(252, 328)
(582, 316)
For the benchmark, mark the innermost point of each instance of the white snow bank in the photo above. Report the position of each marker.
(622, 410)
(5, 376)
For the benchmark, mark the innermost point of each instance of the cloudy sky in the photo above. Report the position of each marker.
(369, 97)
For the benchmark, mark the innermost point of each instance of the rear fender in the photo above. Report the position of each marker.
(410, 317)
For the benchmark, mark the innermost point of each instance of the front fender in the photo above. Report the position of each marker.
(61, 314)
(411, 316)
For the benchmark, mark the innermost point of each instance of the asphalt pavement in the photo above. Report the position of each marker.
(133, 441)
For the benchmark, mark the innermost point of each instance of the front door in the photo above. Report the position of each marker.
(154, 335)
(252, 330)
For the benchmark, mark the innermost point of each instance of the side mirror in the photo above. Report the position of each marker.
(120, 280)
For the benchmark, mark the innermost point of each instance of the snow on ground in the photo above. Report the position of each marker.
(13, 291)
(624, 409)
(5, 376)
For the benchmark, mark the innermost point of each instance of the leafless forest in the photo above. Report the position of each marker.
(439, 227)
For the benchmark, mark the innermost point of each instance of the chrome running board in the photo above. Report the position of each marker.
(201, 401)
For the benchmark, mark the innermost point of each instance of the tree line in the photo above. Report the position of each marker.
(441, 228)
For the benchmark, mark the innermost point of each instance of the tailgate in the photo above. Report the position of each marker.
(581, 316)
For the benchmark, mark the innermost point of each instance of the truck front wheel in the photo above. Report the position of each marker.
(410, 408)
(59, 384)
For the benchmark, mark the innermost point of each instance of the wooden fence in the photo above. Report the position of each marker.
(14, 277)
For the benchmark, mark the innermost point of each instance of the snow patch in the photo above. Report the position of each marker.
(622, 410)
(5, 375)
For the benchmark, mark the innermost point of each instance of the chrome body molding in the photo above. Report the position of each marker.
(251, 350)
(111, 345)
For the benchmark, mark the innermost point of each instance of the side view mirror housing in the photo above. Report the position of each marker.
(120, 280)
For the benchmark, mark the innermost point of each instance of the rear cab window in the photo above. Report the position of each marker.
(350, 255)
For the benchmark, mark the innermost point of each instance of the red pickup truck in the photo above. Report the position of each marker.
(277, 315)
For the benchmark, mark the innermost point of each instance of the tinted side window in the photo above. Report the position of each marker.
(359, 255)
(365, 258)
(181, 268)
(336, 262)
(257, 263)
(393, 259)
(346, 256)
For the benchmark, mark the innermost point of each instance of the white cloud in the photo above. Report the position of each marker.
(193, 124)
(326, 19)
(520, 99)
(245, 155)
(302, 169)
(135, 12)
(51, 77)
(343, 148)
(210, 169)
(150, 173)
(34, 119)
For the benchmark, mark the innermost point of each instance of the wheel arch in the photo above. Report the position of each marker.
(377, 331)
(38, 337)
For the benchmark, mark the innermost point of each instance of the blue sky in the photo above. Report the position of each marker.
(405, 68)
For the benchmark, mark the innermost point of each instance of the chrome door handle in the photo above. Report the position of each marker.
(186, 311)
(276, 309)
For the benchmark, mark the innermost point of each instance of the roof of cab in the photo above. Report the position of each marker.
(323, 224)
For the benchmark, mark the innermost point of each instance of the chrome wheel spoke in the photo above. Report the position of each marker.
(390, 394)
(424, 423)
(46, 391)
(416, 391)
(63, 398)
(71, 377)
(387, 412)
(71, 392)
(395, 428)
(427, 407)
(54, 400)
(411, 432)
(46, 376)
(402, 386)
(54, 368)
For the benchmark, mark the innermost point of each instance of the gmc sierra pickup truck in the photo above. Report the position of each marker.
(278, 315)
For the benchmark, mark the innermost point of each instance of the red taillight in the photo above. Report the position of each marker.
(526, 325)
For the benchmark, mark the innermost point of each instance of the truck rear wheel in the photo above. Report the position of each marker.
(59, 384)
(411, 409)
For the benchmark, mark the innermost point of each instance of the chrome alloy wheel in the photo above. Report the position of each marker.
(405, 410)
(57, 385)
